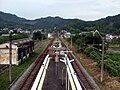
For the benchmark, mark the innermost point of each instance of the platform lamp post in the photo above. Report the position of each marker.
(71, 36)
(103, 52)
(42, 38)
(71, 40)
(10, 55)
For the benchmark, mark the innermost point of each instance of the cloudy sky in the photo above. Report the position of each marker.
(81, 9)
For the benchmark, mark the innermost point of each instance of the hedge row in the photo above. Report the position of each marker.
(4, 39)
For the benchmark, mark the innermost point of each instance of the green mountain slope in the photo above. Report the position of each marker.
(110, 24)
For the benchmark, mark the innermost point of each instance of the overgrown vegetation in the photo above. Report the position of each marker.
(4, 39)
(38, 36)
(19, 70)
(115, 42)
(84, 43)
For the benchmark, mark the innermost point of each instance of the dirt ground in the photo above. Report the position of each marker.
(109, 83)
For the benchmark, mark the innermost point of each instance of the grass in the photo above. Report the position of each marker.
(19, 70)
(36, 42)
(114, 45)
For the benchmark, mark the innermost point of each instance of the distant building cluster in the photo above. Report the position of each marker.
(50, 35)
(5, 31)
(109, 37)
(65, 34)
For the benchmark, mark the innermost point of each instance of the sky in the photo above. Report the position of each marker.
(88, 10)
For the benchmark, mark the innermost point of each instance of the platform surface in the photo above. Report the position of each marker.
(52, 80)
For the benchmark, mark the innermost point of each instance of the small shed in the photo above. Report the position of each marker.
(21, 49)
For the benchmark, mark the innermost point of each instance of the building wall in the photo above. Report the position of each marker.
(25, 51)
(19, 53)
(4, 56)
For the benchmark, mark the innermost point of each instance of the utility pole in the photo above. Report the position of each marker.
(42, 38)
(102, 62)
(103, 53)
(10, 55)
(71, 40)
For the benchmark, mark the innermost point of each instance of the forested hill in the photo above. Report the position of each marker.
(51, 22)
(12, 21)
(110, 24)
(11, 17)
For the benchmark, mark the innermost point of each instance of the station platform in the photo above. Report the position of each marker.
(53, 78)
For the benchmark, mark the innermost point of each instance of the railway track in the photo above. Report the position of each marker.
(28, 80)
(85, 83)
(83, 78)
(38, 45)
(3, 68)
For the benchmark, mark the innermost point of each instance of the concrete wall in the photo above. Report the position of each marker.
(4, 54)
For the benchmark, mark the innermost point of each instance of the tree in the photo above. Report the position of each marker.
(37, 35)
